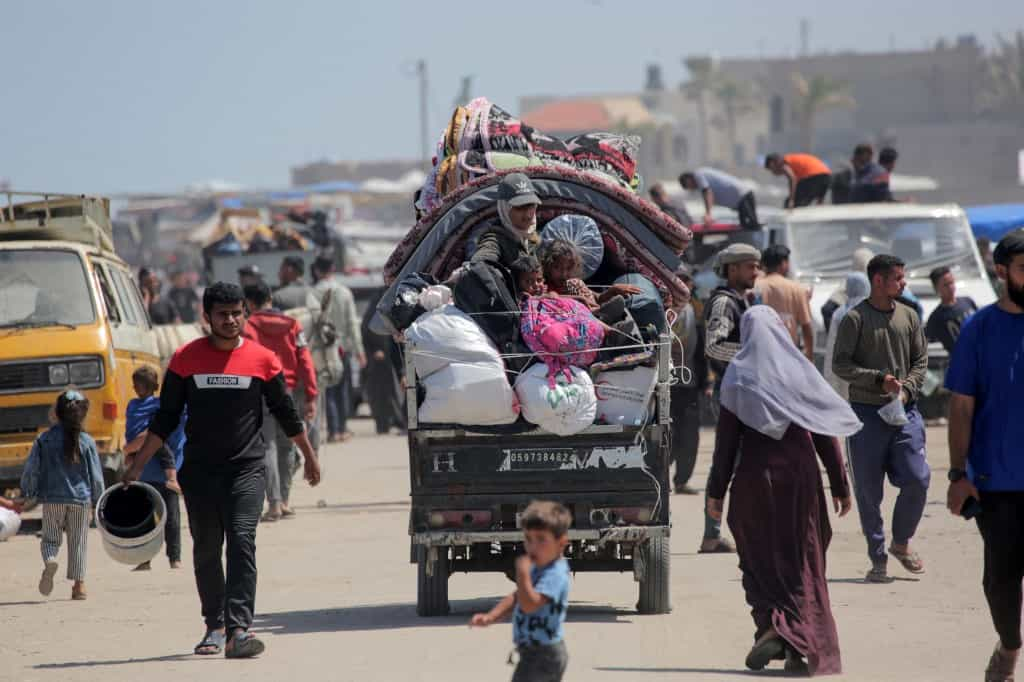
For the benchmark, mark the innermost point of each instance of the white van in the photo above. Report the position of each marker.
(823, 239)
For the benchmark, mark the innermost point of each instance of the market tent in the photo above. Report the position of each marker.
(995, 220)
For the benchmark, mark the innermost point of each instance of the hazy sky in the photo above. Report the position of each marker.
(109, 96)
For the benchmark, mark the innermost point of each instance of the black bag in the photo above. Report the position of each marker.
(483, 293)
(405, 308)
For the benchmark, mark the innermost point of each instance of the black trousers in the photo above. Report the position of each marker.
(1001, 523)
(685, 432)
(811, 190)
(546, 663)
(225, 505)
(172, 528)
(747, 209)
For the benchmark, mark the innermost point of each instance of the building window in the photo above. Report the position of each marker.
(777, 125)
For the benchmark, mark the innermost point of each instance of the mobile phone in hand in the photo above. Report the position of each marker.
(971, 508)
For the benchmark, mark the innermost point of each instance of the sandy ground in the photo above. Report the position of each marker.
(336, 601)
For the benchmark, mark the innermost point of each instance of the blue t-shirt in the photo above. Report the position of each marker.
(544, 626)
(139, 415)
(988, 365)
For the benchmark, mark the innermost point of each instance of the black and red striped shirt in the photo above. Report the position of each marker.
(225, 392)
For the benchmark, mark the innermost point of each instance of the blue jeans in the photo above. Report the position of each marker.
(339, 402)
(879, 450)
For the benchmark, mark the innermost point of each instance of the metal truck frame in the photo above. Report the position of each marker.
(469, 488)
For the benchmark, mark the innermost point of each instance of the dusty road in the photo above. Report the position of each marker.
(336, 602)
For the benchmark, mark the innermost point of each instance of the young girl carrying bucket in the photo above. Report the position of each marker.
(63, 472)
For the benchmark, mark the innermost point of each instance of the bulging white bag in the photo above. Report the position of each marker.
(474, 394)
(446, 335)
(624, 397)
(10, 522)
(566, 409)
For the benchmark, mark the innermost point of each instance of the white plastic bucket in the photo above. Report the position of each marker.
(10, 522)
(131, 522)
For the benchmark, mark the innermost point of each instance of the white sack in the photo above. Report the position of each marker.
(624, 397)
(10, 522)
(446, 335)
(474, 394)
(565, 410)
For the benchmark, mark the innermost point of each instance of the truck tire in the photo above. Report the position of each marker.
(655, 587)
(432, 590)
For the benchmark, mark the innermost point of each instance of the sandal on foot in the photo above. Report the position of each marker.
(909, 560)
(212, 644)
(46, 580)
(244, 645)
(288, 513)
(765, 651)
(1000, 668)
(879, 574)
(723, 546)
(270, 518)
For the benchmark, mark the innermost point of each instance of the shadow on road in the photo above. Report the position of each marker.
(399, 616)
(122, 661)
(862, 581)
(699, 671)
(20, 603)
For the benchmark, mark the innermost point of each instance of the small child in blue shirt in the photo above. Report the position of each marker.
(541, 599)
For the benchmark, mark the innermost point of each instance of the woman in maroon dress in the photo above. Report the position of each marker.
(779, 412)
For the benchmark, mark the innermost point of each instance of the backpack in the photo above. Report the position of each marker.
(563, 331)
(482, 292)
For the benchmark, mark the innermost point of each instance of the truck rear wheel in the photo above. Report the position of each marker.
(655, 586)
(432, 583)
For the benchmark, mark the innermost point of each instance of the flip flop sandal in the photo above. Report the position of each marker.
(999, 669)
(288, 514)
(244, 645)
(764, 652)
(212, 644)
(909, 560)
(723, 547)
(270, 518)
(880, 575)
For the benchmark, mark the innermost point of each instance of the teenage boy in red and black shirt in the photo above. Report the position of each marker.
(224, 381)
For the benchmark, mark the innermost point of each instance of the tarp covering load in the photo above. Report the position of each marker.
(482, 139)
(995, 220)
(490, 330)
(638, 236)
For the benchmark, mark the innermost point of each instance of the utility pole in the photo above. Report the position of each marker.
(421, 71)
(805, 37)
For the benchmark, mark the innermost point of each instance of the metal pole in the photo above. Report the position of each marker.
(421, 70)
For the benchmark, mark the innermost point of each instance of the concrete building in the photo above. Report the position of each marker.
(351, 171)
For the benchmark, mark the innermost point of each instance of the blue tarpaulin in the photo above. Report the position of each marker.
(995, 220)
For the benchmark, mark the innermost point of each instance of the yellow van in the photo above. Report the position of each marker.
(70, 315)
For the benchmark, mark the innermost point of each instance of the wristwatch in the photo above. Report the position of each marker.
(956, 474)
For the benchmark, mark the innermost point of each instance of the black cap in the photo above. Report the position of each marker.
(517, 190)
(250, 271)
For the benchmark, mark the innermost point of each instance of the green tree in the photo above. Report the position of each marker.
(814, 95)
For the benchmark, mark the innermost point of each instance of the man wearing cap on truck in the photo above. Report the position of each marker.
(515, 233)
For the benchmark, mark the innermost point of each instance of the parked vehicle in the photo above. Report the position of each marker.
(71, 314)
(823, 240)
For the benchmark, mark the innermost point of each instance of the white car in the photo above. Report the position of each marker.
(823, 239)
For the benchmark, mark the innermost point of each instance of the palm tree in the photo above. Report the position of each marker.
(703, 79)
(738, 98)
(1003, 91)
(815, 95)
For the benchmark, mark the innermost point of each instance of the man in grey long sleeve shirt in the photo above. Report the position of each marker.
(339, 308)
(881, 351)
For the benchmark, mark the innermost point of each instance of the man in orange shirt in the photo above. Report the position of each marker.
(788, 298)
(809, 177)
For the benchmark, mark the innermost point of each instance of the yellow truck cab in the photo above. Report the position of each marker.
(71, 314)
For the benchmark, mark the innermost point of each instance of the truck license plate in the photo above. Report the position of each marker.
(539, 459)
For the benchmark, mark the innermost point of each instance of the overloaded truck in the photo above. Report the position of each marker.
(471, 483)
